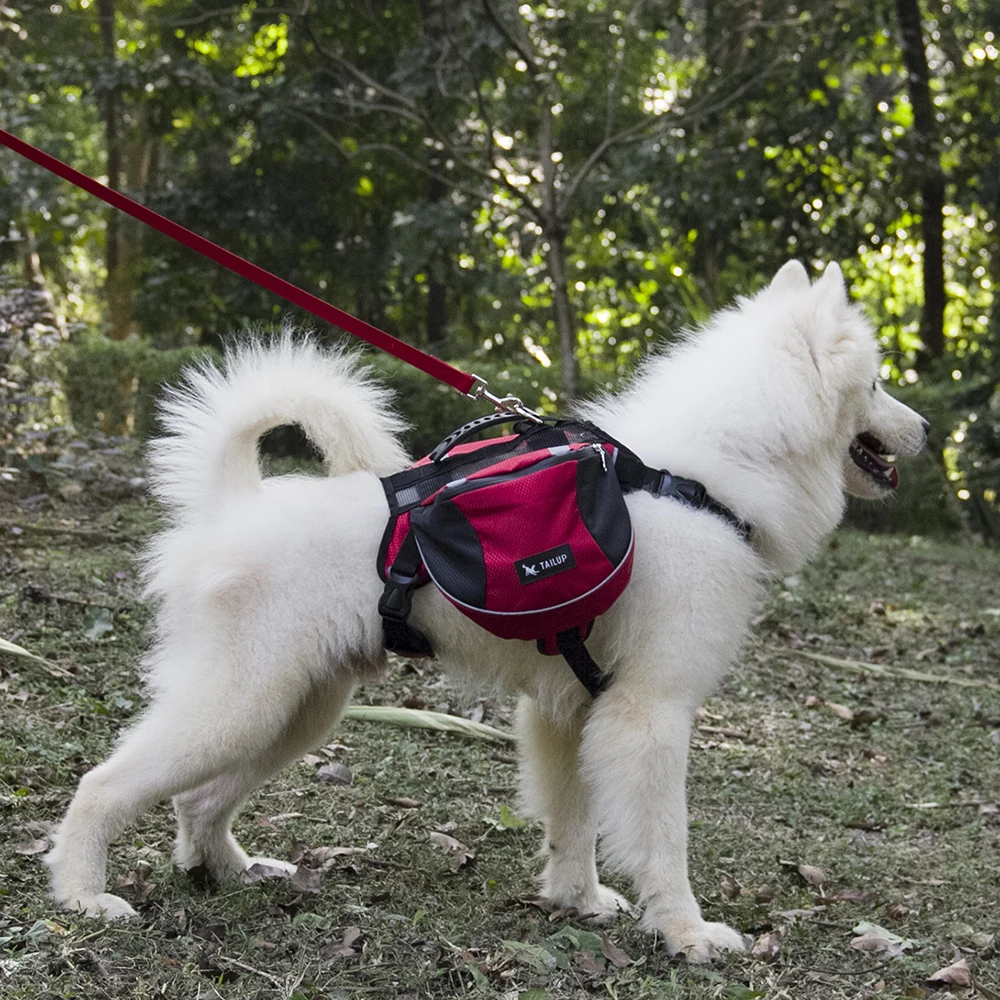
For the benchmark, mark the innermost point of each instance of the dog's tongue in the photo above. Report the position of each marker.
(886, 468)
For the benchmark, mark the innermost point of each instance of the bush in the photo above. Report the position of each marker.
(113, 384)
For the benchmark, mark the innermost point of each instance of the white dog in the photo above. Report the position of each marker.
(267, 593)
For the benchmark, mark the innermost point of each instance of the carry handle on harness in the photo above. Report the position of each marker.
(470, 385)
(473, 427)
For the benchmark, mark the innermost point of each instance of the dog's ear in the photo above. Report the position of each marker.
(838, 335)
(832, 284)
(791, 278)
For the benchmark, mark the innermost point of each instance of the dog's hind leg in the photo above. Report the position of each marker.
(551, 791)
(180, 744)
(205, 814)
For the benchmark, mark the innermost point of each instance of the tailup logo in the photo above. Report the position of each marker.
(544, 564)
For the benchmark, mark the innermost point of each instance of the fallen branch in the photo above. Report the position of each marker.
(12, 649)
(416, 718)
(958, 804)
(736, 734)
(274, 980)
(90, 534)
(877, 670)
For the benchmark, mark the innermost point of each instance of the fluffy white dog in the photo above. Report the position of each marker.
(267, 593)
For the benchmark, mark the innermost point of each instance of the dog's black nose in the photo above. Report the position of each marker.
(927, 426)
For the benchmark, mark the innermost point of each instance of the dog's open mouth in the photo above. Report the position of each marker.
(871, 456)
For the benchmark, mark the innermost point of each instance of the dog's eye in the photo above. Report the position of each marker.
(874, 385)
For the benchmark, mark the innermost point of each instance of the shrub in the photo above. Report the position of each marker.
(113, 384)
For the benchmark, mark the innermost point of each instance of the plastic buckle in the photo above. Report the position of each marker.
(691, 491)
(665, 485)
(396, 601)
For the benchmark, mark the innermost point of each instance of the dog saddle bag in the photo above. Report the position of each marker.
(528, 535)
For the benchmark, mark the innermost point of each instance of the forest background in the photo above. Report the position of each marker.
(540, 194)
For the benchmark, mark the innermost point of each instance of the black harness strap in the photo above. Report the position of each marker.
(633, 475)
(576, 654)
(398, 635)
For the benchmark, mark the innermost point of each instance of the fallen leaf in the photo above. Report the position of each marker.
(729, 888)
(613, 953)
(812, 874)
(841, 711)
(981, 940)
(403, 802)
(587, 963)
(462, 856)
(307, 879)
(767, 946)
(334, 773)
(259, 871)
(348, 947)
(136, 882)
(959, 974)
(30, 845)
(873, 937)
(100, 622)
(875, 943)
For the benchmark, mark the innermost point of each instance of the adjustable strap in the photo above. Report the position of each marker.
(634, 475)
(588, 673)
(396, 603)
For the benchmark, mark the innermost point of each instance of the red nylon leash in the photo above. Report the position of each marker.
(470, 385)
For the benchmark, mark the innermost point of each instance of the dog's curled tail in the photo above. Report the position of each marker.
(215, 418)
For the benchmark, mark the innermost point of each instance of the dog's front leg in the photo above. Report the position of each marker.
(634, 754)
(552, 791)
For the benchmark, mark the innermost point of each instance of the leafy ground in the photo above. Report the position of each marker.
(822, 798)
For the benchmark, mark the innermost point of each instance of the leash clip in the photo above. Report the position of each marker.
(502, 404)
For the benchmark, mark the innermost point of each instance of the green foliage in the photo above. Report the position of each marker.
(114, 384)
(423, 164)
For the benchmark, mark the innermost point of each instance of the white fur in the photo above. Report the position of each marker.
(267, 595)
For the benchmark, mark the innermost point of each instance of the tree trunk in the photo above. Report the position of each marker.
(564, 312)
(436, 317)
(115, 286)
(930, 176)
(554, 231)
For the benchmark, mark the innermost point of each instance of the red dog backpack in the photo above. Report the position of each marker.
(528, 535)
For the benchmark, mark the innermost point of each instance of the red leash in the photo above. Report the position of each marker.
(469, 385)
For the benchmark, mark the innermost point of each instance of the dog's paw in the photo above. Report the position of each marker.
(105, 905)
(601, 905)
(605, 905)
(700, 943)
